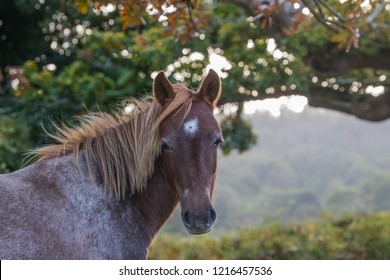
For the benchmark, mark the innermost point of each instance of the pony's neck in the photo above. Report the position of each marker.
(151, 207)
(146, 210)
(156, 202)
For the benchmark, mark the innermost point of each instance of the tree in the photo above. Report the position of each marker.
(342, 45)
(61, 57)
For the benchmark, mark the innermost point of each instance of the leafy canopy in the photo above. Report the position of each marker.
(60, 58)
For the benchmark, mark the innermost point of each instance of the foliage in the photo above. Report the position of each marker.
(349, 237)
(183, 17)
(11, 154)
(237, 133)
(61, 58)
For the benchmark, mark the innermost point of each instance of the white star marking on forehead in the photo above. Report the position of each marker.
(191, 126)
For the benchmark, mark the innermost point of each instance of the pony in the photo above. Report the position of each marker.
(104, 188)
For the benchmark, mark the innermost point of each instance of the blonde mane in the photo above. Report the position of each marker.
(123, 146)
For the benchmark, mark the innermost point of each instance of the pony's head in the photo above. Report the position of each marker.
(189, 139)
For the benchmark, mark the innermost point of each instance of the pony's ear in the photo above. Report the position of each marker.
(162, 89)
(210, 89)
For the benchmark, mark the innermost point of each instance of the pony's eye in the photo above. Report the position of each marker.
(166, 146)
(217, 143)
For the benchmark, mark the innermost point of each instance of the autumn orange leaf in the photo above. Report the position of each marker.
(82, 6)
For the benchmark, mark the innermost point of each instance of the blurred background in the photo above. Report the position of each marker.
(304, 172)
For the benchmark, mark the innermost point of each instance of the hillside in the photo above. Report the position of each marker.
(351, 237)
(302, 166)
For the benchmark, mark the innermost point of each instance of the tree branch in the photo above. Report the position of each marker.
(337, 15)
(189, 7)
(372, 108)
(341, 62)
(318, 17)
(370, 19)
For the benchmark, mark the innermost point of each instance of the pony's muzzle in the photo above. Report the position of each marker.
(199, 222)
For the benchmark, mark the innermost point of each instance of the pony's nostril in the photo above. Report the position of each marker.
(186, 218)
(213, 216)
